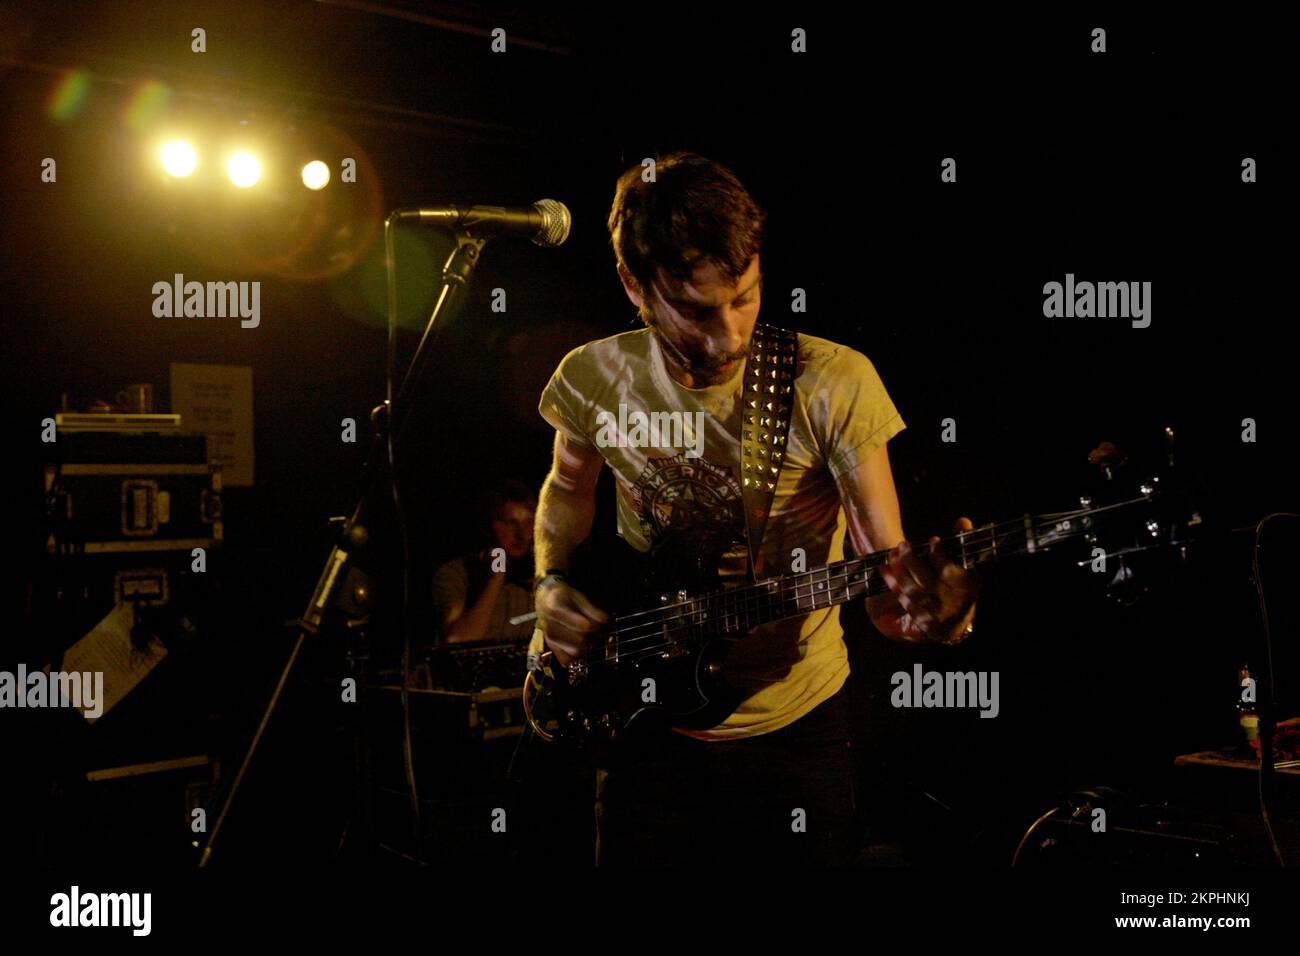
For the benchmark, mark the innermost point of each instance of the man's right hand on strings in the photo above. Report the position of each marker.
(568, 619)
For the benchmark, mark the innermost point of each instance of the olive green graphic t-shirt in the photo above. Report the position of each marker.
(675, 452)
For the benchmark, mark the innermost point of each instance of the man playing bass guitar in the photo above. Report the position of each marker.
(773, 781)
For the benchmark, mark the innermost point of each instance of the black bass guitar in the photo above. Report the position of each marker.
(662, 659)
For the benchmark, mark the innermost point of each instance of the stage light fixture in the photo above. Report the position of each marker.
(179, 158)
(315, 175)
(243, 169)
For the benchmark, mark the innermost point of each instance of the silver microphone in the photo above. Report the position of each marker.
(546, 222)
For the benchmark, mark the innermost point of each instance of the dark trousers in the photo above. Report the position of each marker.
(780, 798)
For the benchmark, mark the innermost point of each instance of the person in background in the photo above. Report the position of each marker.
(477, 594)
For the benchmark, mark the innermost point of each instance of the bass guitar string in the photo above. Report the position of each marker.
(703, 612)
(751, 596)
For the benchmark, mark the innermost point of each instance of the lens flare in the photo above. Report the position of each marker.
(69, 96)
(147, 104)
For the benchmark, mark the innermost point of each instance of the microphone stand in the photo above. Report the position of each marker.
(343, 593)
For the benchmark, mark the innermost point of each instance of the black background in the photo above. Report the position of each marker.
(1117, 167)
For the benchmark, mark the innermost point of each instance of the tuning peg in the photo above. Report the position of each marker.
(1107, 457)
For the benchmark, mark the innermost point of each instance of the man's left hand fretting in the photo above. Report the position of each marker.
(935, 592)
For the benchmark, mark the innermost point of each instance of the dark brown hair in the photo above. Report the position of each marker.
(496, 496)
(695, 210)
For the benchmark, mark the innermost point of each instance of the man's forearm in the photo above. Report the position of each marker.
(563, 521)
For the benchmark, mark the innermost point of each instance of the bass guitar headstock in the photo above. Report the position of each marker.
(1137, 525)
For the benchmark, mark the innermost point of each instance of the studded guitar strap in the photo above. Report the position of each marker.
(767, 398)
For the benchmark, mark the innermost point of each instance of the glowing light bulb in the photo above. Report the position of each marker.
(315, 175)
(179, 158)
(243, 169)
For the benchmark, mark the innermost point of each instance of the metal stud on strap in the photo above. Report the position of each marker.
(769, 372)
